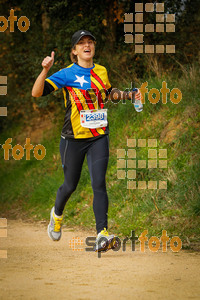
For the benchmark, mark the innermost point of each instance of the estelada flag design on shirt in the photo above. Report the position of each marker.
(83, 89)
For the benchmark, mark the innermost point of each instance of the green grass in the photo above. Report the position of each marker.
(31, 186)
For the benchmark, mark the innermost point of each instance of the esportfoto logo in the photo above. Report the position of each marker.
(154, 243)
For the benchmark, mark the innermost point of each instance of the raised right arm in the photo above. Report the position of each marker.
(38, 86)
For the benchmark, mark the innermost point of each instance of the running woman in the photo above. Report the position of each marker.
(85, 131)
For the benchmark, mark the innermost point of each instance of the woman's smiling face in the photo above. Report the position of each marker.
(85, 49)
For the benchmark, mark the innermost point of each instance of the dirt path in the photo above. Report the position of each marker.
(37, 268)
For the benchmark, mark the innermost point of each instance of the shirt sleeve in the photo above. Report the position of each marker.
(57, 80)
(108, 91)
(108, 85)
(48, 88)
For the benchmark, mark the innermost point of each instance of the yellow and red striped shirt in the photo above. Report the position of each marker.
(83, 89)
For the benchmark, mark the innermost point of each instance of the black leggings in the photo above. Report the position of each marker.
(72, 154)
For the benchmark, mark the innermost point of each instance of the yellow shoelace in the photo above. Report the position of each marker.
(104, 232)
(57, 225)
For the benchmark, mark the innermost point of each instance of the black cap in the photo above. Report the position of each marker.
(79, 34)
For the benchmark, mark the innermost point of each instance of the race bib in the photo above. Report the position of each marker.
(93, 118)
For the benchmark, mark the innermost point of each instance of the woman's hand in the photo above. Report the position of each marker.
(48, 61)
(38, 86)
(138, 95)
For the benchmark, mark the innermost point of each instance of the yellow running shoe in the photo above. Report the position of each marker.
(54, 227)
(104, 241)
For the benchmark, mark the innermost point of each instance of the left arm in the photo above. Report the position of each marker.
(124, 95)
